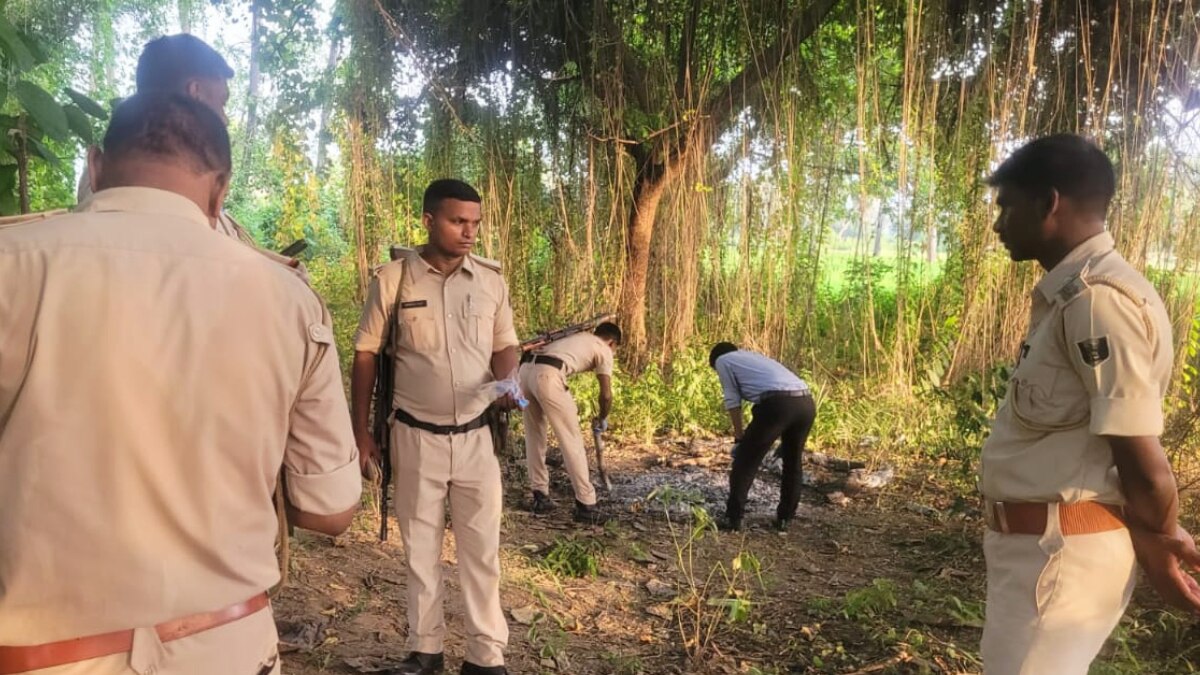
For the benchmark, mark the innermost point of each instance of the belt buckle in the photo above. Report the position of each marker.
(999, 517)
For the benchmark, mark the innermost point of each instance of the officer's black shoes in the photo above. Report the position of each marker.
(781, 525)
(472, 669)
(420, 664)
(727, 524)
(590, 515)
(542, 503)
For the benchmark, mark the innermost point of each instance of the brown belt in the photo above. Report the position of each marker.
(1030, 517)
(15, 660)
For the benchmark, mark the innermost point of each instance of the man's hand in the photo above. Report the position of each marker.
(506, 402)
(1161, 557)
(369, 457)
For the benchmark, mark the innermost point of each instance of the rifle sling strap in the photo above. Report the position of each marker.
(393, 319)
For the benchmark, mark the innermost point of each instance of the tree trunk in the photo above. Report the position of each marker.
(658, 162)
(187, 11)
(648, 188)
(252, 89)
(335, 52)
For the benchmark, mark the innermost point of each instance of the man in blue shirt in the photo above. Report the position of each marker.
(783, 408)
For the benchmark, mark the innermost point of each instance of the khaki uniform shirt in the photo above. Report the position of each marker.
(138, 452)
(1097, 361)
(448, 328)
(580, 353)
(226, 225)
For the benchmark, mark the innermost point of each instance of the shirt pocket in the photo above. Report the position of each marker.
(1049, 397)
(419, 331)
(480, 311)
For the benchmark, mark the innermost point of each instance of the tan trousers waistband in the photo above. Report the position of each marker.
(1031, 517)
(35, 657)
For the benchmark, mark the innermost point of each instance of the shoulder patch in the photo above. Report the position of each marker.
(493, 265)
(1094, 350)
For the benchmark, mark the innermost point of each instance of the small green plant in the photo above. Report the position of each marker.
(1150, 641)
(738, 607)
(624, 664)
(639, 553)
(870, 602)
(551, 642)
(669, 496)
(712, 596)
(966, 613)
(573, 557)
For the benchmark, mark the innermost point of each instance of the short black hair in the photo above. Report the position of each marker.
(447, 188)
(720, 349)
(609, 330)
(168, 62)
(169, 126)
(1072, 165)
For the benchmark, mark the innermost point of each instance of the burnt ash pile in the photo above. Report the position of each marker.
(678, 474)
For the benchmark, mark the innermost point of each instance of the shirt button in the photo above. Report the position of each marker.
(453, 351)
(457, 383)
(449, 316)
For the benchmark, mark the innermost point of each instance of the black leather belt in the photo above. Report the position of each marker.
(544, 360)
(788, 393)
(441, 429)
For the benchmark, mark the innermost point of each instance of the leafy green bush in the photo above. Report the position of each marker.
(572, 557)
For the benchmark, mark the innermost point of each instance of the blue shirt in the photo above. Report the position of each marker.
(748, 375)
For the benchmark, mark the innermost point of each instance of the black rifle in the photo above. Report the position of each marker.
(385, 364)
(385, 380)
(546, 338)
(294, 249)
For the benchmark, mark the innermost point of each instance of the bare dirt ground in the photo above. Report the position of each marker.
(879, 580)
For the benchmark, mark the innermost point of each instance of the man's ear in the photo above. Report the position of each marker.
(192, 88)
(95, 166)
(1052, 202)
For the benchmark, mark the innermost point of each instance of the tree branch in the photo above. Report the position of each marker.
(720, 106)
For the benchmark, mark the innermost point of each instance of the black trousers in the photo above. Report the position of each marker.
(790, 418)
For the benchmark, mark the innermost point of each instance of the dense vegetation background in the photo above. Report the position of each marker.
(801, 176)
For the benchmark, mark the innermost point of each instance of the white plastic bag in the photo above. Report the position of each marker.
(509, 385)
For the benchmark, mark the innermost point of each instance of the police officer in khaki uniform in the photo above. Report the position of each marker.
(544, 381)
(455, 335)
(138, 454)
(185, 64)
(1073, 466)
(180, 64)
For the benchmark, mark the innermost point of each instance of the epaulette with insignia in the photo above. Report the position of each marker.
(487, 262)
(7, 221)
(396, 251)
(1071, 290)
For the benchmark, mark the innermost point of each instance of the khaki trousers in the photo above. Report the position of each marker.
(428, 468)
(248, 646)
(551, 401)
(1053, 600)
